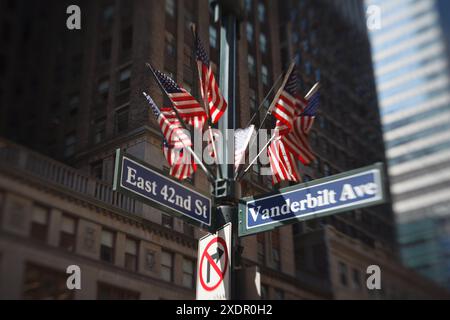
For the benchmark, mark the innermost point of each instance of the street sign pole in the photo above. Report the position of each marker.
(225, 186)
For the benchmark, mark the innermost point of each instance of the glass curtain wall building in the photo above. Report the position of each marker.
(411, 60)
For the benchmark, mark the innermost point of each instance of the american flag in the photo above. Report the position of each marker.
(182, 164)
(286, 106)
(188, 108)
(282, 127)
(170, 126)
(297, 144)
(282, 163)
(297, 139)
(208, 85)
(310, 111)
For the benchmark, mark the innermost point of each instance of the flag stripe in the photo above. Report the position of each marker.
(188, 108)
(210, 91)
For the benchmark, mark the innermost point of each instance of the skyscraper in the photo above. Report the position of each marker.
(410, 54)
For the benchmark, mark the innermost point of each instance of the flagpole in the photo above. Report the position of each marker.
(280, 90)
(264, 100)
(312, 91)
(205, 104)
(208, 173)
(277, 96)
(242, 173)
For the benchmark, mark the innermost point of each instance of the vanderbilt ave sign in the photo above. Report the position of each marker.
(340, 193)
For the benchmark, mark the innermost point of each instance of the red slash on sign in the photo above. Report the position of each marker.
(212, 260)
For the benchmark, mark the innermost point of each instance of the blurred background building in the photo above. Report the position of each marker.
(70, 98)
(412, 65)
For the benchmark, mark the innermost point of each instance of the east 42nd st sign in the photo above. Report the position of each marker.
(151, 186)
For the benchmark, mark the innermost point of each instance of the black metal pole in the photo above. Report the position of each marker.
(225, 188)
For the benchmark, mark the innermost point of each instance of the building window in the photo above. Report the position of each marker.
(150, 260)
(278, 294)
(213, 37)
(251, 65)
(266, 105)
(265, 75)
(97, 170)
(108, 14)
(124, 79)
(131, 254)
(261, 12)
(188, 229)
(188, 19)
(122, 119)
(70, 144)
(103, 90)
(99, 130)
(39, 223)
(188, 62)
(322, 123)
(317, 75)
(253, 104)
(106, 49)
(249, 29)
(167, 266)
(167, 220)
(295, 37)
(305, 44)
(248, 5)
(326, 170)
(275, 236)
(262, 42)
(109, 292)
(43, 283)
(67, 235)
(261, 248)
(308, 67)
(343, 274)
(264, 292)
(297, 229)
(107, 246)
(356, 278)
(74, 103)
(127, 39)
(276, 258)
(170, 7)
(170, 45)
(188, 273)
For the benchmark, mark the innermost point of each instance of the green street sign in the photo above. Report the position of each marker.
(322, 197)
